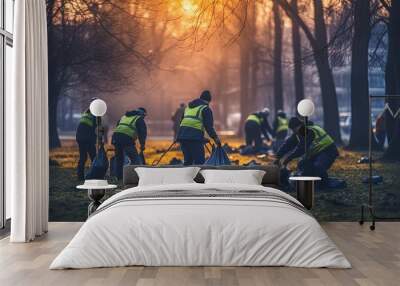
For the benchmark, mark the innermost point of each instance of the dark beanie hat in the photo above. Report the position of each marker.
(142, 110)
(295, 122)
(206, 95)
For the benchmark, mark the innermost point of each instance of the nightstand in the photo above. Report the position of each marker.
(305, 190)
(96, 191)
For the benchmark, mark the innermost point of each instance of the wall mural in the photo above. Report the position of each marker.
(171, 70)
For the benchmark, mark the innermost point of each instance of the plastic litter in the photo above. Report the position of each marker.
(251, 150)
(375, 180)
(364, 160)
(336, 183)
(228, 149)
(247, 150)
(252, 163)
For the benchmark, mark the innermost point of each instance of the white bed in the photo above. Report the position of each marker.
(138, 227)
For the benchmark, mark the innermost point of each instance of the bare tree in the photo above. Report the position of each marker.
(91, 51)
(319, 43)
(297, 56)
(277, 58)
(244, 69)
(359, 75)
(254, 54)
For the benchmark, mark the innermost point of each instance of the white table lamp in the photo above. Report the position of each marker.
(98, 107)
(306, 107)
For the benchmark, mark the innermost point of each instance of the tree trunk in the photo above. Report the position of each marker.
(392, 82)
(53, 88)
(328, 90)
(244, 71)
(254, 57)
(297, 57)
(277, 61)
(54, 140)
(319, 44)
(359, 136)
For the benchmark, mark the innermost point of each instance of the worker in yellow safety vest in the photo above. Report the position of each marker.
(196, 119)
(130, 127)
(322, 150)
(281, 128)
(255, 126)
(86, 139)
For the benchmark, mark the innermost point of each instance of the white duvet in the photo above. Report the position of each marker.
(201, 231)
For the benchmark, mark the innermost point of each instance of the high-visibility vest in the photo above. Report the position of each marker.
(321, 140)
(283, 124)
(255, 118)
(87, 119)
(127, 125)
(193, 117)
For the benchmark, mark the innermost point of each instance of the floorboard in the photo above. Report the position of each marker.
(375, 257)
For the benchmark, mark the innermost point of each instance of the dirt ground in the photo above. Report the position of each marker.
(69, 204)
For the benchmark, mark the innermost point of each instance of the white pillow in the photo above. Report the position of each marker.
(248, 177)
(166, 176)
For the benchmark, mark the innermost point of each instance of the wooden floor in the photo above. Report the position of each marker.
(375, 257)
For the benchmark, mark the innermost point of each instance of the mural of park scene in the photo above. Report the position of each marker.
(251, 62)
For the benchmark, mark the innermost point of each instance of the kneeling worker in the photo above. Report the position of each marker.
(322, 150)
(196, 118)
(255, 126)
(130, 127)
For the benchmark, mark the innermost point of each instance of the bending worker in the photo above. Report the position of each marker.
(196, 118)
(130, 127)
(322, 151)
(86, 139)
(255, 126)
(281, 128)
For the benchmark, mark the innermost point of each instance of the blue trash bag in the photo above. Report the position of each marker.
(113, 165)
(141, 159)
(218, 157)
(99, 166)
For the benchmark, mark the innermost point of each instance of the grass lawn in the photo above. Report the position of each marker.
(69, 204)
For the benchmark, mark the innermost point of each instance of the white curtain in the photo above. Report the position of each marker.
(27, 124)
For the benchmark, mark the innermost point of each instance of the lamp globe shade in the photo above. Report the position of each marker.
(98, 107)
(305, 107)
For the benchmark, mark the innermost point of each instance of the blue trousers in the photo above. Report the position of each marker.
(253, 135)
(124, 145)
(319, 164)
(193, 152)
(85, 148)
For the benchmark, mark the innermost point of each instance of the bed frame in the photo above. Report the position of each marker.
(270, 179)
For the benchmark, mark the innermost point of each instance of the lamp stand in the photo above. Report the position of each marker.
(305, 137)
(99, 141)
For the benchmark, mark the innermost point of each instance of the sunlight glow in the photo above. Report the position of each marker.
(189, 7)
